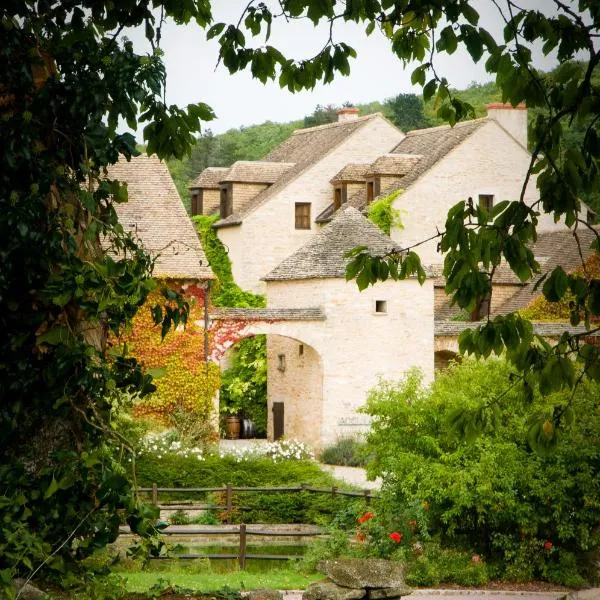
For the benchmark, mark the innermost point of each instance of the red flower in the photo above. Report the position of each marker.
(365, 517)
(361, 537)
(548, 545)
(397, 537)
(475, 558)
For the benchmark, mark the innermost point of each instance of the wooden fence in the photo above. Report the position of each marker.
(229, 490)
(240, 530)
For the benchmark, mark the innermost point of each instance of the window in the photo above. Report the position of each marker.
(337, 198)
(370, 191)
(486, 201)
(381, 306)
(226, 202)
(281, 362)
(302, 215)
(301, 350)
(197, 208)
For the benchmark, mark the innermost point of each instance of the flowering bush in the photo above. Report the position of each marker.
(526, 514)
(162, 444)
(276, 451)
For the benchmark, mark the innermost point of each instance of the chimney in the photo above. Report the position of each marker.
(512, 118)
(348, 113)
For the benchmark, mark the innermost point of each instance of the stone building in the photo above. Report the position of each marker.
(271, 205)
(328, 343)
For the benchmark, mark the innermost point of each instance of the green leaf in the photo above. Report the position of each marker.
(51, 489)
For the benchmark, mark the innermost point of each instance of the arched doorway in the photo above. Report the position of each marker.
(443, 358)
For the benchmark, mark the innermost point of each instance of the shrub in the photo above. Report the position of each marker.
(524, 513)
(175, 469)
(348, 452)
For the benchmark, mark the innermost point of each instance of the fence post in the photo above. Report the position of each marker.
(333, 491)
(154, 494)
(242, 553)
(367, 494)
(228, 501)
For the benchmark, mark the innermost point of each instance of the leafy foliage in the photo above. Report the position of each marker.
(67, 81)
(347, 451)
(215, 471)
(529, 514)
(185, 380)
(244, 383)
(383, 214)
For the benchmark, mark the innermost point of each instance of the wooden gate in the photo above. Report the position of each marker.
(278, 430)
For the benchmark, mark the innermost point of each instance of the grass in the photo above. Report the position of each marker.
(280, 579)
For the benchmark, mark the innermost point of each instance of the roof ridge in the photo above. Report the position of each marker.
(427, 130)
(259, 162)
(335, 124)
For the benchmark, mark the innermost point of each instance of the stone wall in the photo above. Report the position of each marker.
(268, 234)
(489, 162)
(299, 385)
(211, 201)
(356, 345)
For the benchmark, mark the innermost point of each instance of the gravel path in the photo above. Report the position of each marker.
(354, 475)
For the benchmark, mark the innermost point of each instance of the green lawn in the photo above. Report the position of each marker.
(280, 579)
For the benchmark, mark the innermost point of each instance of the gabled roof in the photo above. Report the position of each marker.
(429, 146)
(323, 255)
(209, 178)
(352, 172)
(394, 164)
(305, 147)
(256, 171)
(155, 213)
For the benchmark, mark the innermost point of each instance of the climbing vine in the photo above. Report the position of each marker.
(184, 378)
(384, 215)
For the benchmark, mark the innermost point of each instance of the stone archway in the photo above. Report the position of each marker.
(294, 365)
(443, 358)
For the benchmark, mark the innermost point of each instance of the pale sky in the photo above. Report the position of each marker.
(192, 75)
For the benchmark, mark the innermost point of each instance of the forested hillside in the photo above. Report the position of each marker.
(407, 111)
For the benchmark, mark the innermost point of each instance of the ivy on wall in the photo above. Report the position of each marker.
(184, 379)
(383, 214)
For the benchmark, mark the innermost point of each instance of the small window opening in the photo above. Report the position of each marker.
(381, 306)
(301, 350)
(226, 207)
(281, 362)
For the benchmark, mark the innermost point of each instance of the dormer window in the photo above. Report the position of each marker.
(337, 197)
(226, 206)
(370, 191)
(302, 215)
(197, 202)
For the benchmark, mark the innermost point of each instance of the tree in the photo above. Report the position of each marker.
(322, 115)
(67, 79)
(407, 112)
(71, 276)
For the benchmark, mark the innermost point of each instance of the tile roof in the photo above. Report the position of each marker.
(304, 147)
(268, 314)
(256, 171)
(156, 214)
(455, 328)
(323, 255)
(209, 178)
(394, 164)
(431, 144)
(352, 172)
